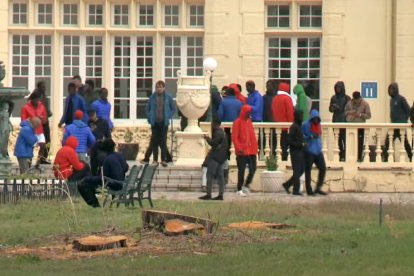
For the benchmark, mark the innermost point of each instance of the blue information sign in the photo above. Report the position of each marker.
(369, 89)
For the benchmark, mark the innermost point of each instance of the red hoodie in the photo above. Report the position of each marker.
(67, 160)
(282, 107)
(238, 93)
(243, 136)
(29, 111)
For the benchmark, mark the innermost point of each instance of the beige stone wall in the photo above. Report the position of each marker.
(4, 36)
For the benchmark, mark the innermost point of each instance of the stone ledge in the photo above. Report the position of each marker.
(385, 167)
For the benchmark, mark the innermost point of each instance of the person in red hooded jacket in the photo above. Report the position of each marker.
(237, 93)
(67, 164)
(245, 145)
(282, 109)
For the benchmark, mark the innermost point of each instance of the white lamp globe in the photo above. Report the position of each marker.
(210, 64)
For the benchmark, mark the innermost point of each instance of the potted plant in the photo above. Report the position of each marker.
(271, 178)
(129, 149)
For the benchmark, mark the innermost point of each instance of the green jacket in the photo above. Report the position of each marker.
(302, 101)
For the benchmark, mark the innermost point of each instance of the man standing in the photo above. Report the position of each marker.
(216, 158)
(100, 129)
(25, 143)
(73, 102)
(80, 88)
(245, 145)
(90, 95)
(255, 100)
(271, 92)
(297, 154)
(103, 107)
(337, 107)
(399, 113)
(312, 132)
(41, 87)
(301, 101)
(357, 111)
(282, 108)
(160, 109)
(82, 133)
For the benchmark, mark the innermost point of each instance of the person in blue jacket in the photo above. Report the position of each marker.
(312, 132)
(160, 109)
(72, 103)
(26, 140)
(229, 111)
(103, 107)
(82, 133)
(255, 100)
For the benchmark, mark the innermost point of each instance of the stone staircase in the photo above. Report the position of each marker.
(172, 178)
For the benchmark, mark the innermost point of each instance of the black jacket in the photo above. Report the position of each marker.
(296, 140)
(219, 146)
(100, 129)
(400, 110)
(115, 166)
(338, 103)
(267, 106)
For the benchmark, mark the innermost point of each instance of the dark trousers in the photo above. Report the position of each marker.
(284, 144)
(228, 135)
(148, 153)
(215, 170)
(319, 162)
(242, 162)
(81, 174)
(87, 189)
(342, 144)
(97, 157)
(158, 139)
(407, 145)
(361, 133)
(297, 158)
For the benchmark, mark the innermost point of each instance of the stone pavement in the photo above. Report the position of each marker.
(374, 198)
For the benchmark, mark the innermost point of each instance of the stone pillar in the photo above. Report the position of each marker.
(4, 38)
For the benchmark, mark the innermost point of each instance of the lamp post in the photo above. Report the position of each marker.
(210, 64)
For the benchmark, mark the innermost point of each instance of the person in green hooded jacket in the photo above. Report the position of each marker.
(302, 101)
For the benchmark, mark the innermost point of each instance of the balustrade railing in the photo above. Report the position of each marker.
(376, 149)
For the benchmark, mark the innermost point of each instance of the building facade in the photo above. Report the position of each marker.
(127, 45)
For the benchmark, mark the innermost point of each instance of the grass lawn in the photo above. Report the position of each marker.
(330, 238)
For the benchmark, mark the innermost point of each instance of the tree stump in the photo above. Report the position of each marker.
(259, 225)
(180, 227)
(151, 219)
(95, 243)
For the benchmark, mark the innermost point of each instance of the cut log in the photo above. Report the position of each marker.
(181, 227)
(259, 225)
(95, 243)
(157, 219)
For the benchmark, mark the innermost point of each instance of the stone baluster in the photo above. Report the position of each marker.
(378, 150)
(256, 134)
(267, 133)
(336, 147)
(403, 154)
(391, 147)
(367, 132)
(278, 142)
(325, 143)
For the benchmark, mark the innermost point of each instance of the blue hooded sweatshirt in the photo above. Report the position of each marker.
(82, 133)
(229, 109)
(25, 141)
(313, 141)
(255, 100)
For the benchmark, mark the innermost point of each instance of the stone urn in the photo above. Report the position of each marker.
(193, 98)
(272, 181)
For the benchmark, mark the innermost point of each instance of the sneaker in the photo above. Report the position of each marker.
(240, 193)
(246, 190)
(320, 192)
(164, 164)
(219, 197)
(144, 161)
(297, 194)
(44, 162)
(205, 197)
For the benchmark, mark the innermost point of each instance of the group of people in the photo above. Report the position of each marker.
(87, 152)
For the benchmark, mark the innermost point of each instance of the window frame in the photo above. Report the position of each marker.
(310, 16)
(19, 14)
(197, 15)
(95, 15)
(37, 14)
(164, 16)
(278, 16)
(154, 18)
(63, 14)
(113, 15)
